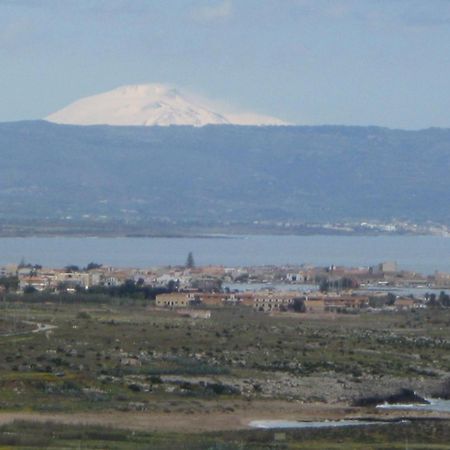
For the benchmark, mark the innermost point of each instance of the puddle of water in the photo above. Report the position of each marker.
(268, 424)
(435, 404)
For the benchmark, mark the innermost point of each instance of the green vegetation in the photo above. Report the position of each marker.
(129, 290)
(190, 263)
(106, 352)
(427, 435)
(9, 283)
(121, 356)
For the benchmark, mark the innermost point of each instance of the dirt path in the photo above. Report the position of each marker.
(40, 328)
(210, 421)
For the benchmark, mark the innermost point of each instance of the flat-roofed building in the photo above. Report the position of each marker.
(315, 305)
(276, 301)
(405, 303)
(345, 303)
(38, 283)
(175, 300)
(213, 299)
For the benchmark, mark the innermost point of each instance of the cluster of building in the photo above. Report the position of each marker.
(277, 301)
(71, 278)
(311, 289)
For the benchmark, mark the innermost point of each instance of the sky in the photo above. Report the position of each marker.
(308, 62)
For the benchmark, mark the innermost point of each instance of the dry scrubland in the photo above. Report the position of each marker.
(165, 378)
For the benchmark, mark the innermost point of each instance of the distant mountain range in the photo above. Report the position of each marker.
(148, 105)
(221, 174)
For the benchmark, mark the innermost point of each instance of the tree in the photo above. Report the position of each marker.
(172, 285)
(324, 285)
(190, 263)
(92, 266)
(444, 299)
(10, 283)
(433, 301)
(29, 289)
(390, 299)
(299, 305)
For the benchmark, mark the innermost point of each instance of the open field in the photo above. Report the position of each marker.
(426, 435)
(127, 365)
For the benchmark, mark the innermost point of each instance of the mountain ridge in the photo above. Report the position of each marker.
(220, 174)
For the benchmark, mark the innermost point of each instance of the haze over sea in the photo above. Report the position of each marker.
(424, 254)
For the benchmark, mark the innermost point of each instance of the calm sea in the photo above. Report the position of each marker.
(421, 253)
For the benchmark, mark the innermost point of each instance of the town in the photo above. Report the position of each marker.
(186, 350)
(304, 289)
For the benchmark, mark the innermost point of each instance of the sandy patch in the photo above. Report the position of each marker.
(211, 421)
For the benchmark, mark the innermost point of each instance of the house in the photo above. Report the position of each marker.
(292, 277)
(404, 303)
(388, 267)
(72, 280)
(442, 279)
(10, 270)
(315, 304)
(175, 300)
(239, 298)
(276, 301)
(212, 299)
(38, 283)
(346, 303)
(111, 281)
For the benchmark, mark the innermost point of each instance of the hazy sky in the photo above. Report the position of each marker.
(381, 62)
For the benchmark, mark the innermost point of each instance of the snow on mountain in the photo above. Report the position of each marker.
(149, 104)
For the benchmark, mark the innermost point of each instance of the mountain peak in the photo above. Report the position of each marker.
(146, 89)
(148, 105)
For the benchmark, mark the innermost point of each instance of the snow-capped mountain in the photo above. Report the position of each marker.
(149, 104)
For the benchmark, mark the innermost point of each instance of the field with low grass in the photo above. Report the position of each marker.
(126, 357)
(426, 435)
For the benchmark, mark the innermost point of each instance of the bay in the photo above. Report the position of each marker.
(424, 254)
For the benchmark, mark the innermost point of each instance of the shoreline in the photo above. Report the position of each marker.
(205, 236)
(75, 232)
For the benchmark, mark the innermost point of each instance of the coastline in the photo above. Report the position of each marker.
(158, 230)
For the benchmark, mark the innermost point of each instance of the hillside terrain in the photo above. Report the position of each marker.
(221, 174)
